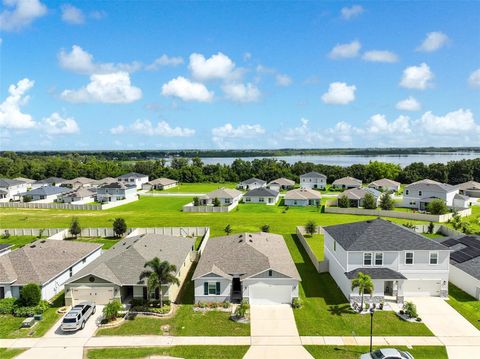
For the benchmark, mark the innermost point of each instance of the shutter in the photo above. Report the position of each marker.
(218, 288)
(205, 288)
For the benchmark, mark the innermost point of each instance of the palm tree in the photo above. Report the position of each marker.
(364, 284)
(158, 274)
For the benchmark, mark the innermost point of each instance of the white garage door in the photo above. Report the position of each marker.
(99, 295)
(270, 294)
(421, 288)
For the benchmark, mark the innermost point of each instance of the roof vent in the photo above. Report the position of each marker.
(250, 241)
(42, 241)
(33, 246)
(250, 236)
(240, 241)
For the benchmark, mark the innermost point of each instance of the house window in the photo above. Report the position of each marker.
(367, 259)
(433, 257)
(406, 192)
(420, 193)
(378, 259)
(211, 288)
(408, 257)
(261, 199)
(270, 273)
(247, 199)
(334, 246)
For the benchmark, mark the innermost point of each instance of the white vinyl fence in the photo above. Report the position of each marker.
(321, 266)
(189, 207)
(68, 206)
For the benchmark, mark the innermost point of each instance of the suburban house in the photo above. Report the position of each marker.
(384, 185)
(5, 248)
(461, 201)
(281, 184)
(29, 182)
(133, 178)
(419, 194)
(10, 188)
(400, 262)
(261, 195)
(302, 197)
(470, 188)
(116, 274)
(160, 184)
(78, 182)
(356, 196)
(79, 196)
(313, 180)
(115, 191)
(465, 263)
(50, 181)
(346, 183)
(226, 197)
(256, 267)
(251, 183)
(101, 182)
(48, 263)
(45, 194)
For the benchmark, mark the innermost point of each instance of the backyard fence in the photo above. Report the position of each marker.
(47, 232)
(320, 266)
(189, 207)
(69, 206)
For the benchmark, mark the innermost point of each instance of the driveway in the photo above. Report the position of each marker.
(87, 332)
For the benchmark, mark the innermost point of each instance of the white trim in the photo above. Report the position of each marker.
(430, 258)
(371, 259)
(375, 259)
(413, 258)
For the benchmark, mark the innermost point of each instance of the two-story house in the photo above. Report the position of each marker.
(10, 188)
(115, 191)
(419, 194)
(400, 262)
(313, 180)
(133, 178)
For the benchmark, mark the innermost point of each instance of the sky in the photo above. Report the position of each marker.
(124, 75)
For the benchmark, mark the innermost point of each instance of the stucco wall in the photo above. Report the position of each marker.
(465, 282)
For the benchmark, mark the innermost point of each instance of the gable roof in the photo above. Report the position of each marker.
(162, 181)
(123, 263)
(470, 185)
(303, 193)
(223, 193)
(81, 180)
(262, 192)
(6, 182)
(119, 185)
(132, 174)
(376, 273)
(282, 182)
(104, 181)
(24, 180)
(313, 174)
(466, 254)
(45, 191)
(51, 180)
(380, 235)
(42, 260)
(253, 180)
(359, 193)
(246, 255)
(384, 182)
(80, 193)
(431, 185)
(347, 181)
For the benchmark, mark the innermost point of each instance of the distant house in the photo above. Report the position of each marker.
(346, 183)
(281, 184)
(256, 267)
(160, 184)
(51, 181)
(356, 196)
(465, 263)
(262, 195)
(313, 180)
(101, 182)
(115, 191)
(48, 263)
(251, 183)
(78, 182)
(384, 185)
(302, 197)
(470, 188)
(460, 201)
(419, 194)
(133, 178)
(45, 194)
(10, 188)
(29, 182)
(116, 274)
(79, 196)
(226, 197)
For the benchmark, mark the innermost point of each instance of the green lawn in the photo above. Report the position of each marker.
(198, 187)
(10, 353)
(187, 352)
(354, 352)
(433, 235)
(17, 241)
(316, 244)
(106, 242)
(465, 304)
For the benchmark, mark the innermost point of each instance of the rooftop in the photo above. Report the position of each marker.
(223, 193)
(253, 180)
(466, 254)
(6, 182)
(45, 191)
(303, 193)
(262, 192)
(347, 181)
(313, 174)
(432, 185)
(133, 174)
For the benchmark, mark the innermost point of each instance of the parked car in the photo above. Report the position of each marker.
(76, 318)
(389, 353)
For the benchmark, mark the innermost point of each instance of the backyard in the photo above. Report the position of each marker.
(17, 241)
(316, 244)
(465, 304)
(197, 187)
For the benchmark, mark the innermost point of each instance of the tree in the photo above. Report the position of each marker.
(75, 228)
(27, 199)
(437, 206)
(228, 229)
(159, 273)
(369, 201)
(30, 295)
(456, 221)
(386, 201)
(343, 201)
(265, 228)
(364, 284)
(431, 227)
(216, 202)
(196, 201)
(110, 311)
(119, 227)
(311, 227)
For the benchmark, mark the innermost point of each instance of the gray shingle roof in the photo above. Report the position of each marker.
(347, 181)
(104, 181)
(51, 180)
(246, 254)
(432, 185)
(6, 182)
(123, 263)
(359, 193)
(379, 235)
(81, 180)
(313, 174)
(25, 180)
(262, 192)
(253, 180)
(470, 185)
(469, 245)
(132, 174)
(46, 191)
(282, 182)
(384, 182)
(117, 185)
(162, 181)
(223, 193)
(303, 193)
(376, 273)
(80, 193)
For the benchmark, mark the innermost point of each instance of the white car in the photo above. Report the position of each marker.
(76, 318)
(389, 353)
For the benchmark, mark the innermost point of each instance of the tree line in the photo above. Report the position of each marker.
(187, 170)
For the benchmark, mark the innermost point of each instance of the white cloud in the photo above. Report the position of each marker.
(408, 104)
(417, 77)
(81, 61)
(146, 127)
(218, 66)
(380, 56)
(433, 42)
(20, 13)
(241, 93)
(118, 130)
(474, 78)
(339, 93)
(455, 122)
(164, 60)
(345, 51)
(303, 133)
(55, 124)
(378, 124)
(187, 90)
(105, 88)
(352, 11)
(228, 131)
(97, 14)
(10, 113)
(283, 80)
(247, 56)
(342, 131)
(72, 15)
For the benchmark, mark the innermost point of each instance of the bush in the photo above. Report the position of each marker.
(311, 227)
(437, 206)
(30, 295)
(119, 227)
(216, 202)
(343, 201)
(7, 305)
(196, 201)
(410, 309)
(386, 201)
(296, 303)
(369, 201)
(265, 228)
(226, 304)
(431, 227)
(30, 311)
(110, 311)
(75, 228)
(241, 310)
(418, 319)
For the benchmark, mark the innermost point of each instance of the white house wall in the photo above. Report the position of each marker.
(465, 282)
(225, 290)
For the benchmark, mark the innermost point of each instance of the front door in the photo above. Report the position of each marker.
(388, 287)
(236, 295)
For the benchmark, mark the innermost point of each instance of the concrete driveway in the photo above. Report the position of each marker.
(87, 332)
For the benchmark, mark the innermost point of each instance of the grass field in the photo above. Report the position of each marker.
(6, 353)
(18, 241)
(316, 244)
(465, 304)
(198, 187)
(354, 352)
(106, 242)
(187, 352)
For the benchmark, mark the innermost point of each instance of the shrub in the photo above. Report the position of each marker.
(343, 201)
(265, 228)
(119, 227)
(431, 227)
(75, 228)
(216, 202)
(386, 201)
(30, 311)
(228, 229)
(30, 295)
(418, 319)
(410, 309)
(437, 206)
(7, 305)
(110, 311)
(409, 225)
(369, 201)
(27, 199)
(226, 304)
(242, 309)
(296, 303)
(6, 235)
(201, 305)
(311, 227)
(456, 221)
(196, 201)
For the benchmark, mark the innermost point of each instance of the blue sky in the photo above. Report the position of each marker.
(169, 75)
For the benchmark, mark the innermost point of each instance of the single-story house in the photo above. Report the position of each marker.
(262, 195)
(281, 184)
(313, 180)
(80, 196)
(302, 197)
(101, 182)
(384, 185)
(256, 267)
(45, 194)
(48, 263)
(133, 178)
(400, 262)
(51, 181)
(78, 182)
(226, 196)
(346, 183)
(461, 201)
(357, 195)
(9, 188)
(418, 194)
(5, 248)
(470, 188)
(251, 183)
(115, 191)
(116, 274)
(160, 184)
